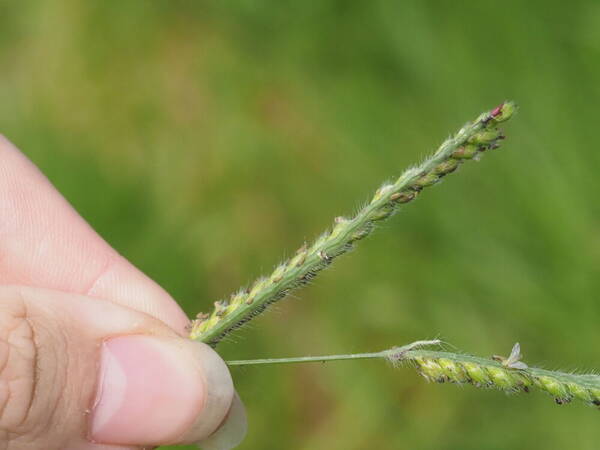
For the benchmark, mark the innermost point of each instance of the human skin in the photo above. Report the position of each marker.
(93, 353)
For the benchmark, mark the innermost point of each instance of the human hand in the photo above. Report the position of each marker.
(93, 354)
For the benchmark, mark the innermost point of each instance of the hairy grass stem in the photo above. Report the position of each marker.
(469, 142)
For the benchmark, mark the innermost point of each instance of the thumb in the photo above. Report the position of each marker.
(79, 373)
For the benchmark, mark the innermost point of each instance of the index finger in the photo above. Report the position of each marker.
(45, 243)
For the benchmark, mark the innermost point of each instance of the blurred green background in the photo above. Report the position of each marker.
(207, 140)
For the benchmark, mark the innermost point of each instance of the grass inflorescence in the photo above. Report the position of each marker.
(459, 368)
(468, 143)
(442, 367)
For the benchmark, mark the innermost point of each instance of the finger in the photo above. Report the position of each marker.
(45, 243)
(81, 373)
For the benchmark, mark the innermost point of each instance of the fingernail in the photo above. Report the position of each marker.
(233, 430)
(219, 396)
(150, 391)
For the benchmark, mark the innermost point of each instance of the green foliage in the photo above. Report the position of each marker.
(202, 138)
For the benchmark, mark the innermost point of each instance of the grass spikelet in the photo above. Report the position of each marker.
(488, 373)
(459, 368)
(472, 140)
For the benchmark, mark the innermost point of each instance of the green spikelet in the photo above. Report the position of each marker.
(459, 368)
(481, 372)
(468, 143)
